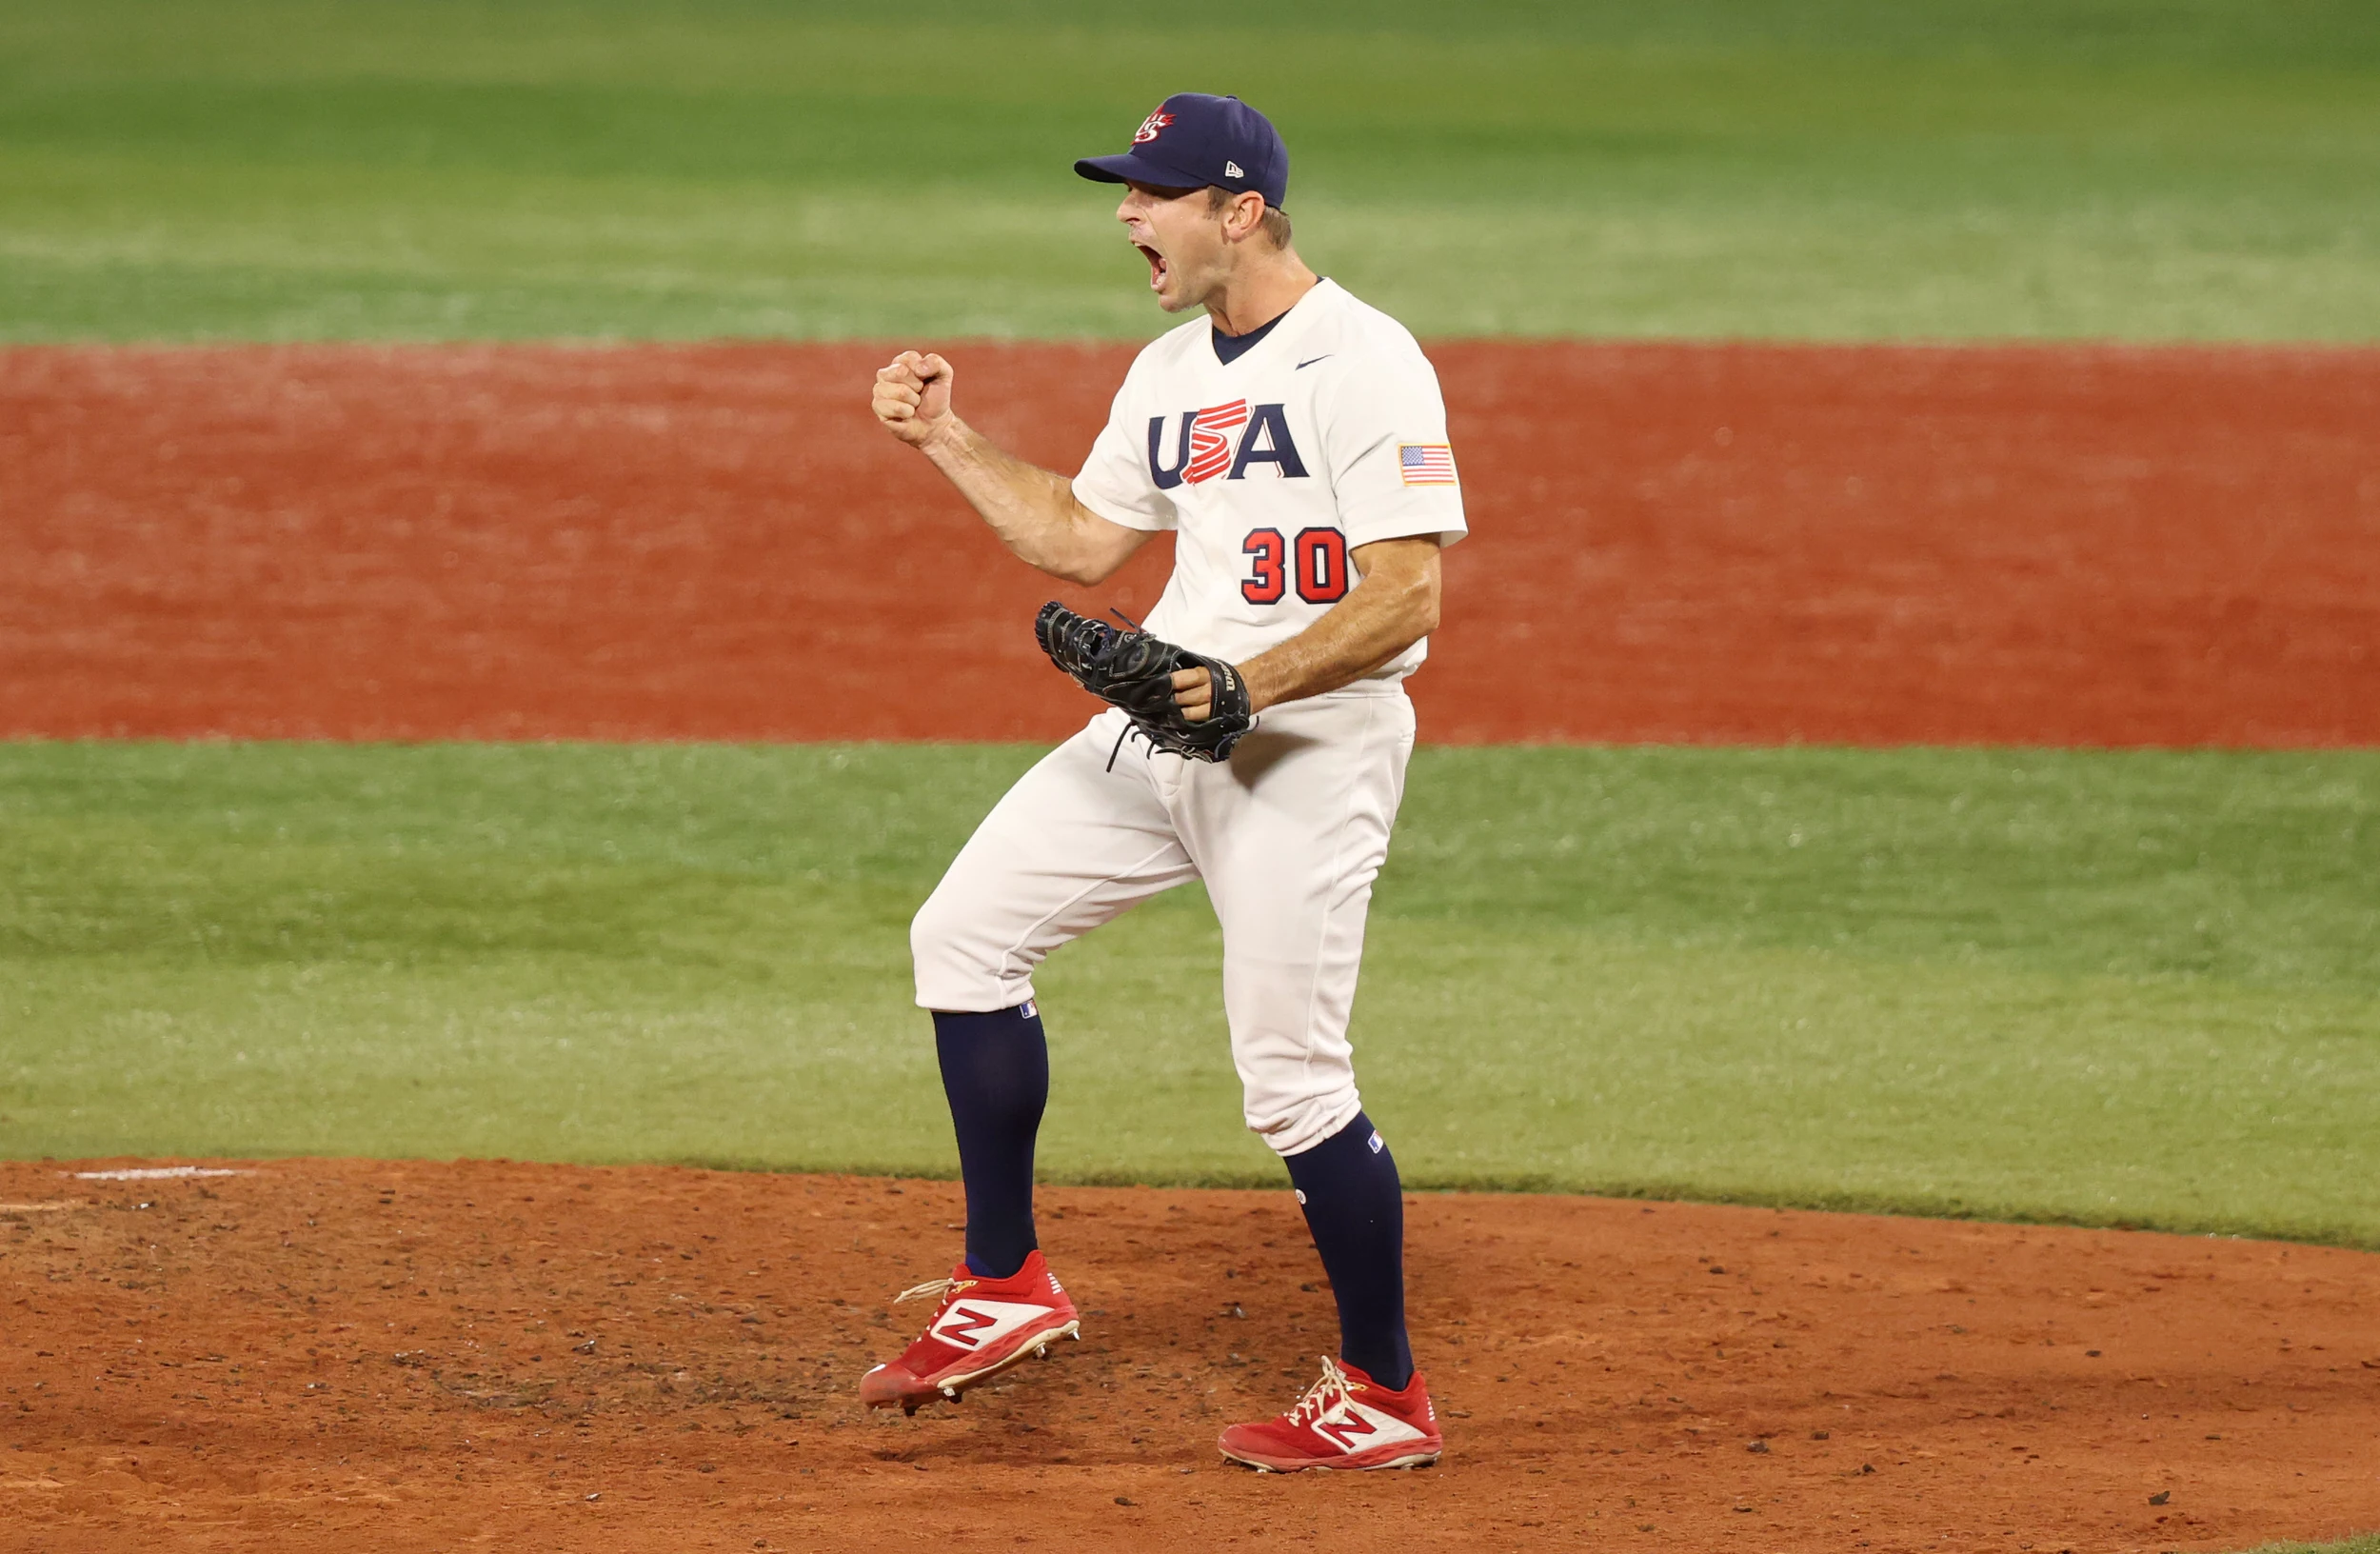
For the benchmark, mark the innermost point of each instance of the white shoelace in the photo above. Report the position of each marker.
(931, 1288)
(1332, 1386)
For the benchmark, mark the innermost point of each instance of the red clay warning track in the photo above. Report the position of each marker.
(2059, 545)
(319, 1355)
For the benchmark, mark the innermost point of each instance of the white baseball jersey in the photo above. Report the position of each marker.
(1326, 434)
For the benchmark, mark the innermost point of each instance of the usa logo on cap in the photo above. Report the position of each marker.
(1149, 127)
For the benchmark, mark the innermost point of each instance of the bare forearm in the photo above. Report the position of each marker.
(1393, 607)
(1032, 509)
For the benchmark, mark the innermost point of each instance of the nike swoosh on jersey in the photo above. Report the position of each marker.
(1310, 361)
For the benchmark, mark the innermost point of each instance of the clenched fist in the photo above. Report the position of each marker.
(913, 396)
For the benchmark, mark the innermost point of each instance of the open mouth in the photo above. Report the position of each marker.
(1157, 266)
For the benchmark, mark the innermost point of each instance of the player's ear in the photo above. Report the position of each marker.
(1243, 216)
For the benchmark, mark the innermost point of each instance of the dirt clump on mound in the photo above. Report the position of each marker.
(340, 1354)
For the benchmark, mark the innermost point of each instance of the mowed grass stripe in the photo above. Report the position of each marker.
(2133, 988)
(1819, 169)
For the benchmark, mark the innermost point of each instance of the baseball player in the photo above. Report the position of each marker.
(1295, 442)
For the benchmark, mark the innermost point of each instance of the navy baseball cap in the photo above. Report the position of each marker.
(1193, 140)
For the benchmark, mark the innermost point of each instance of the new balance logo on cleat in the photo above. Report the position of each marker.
(962, 1324)
(971, 1324)
(1355, 1427)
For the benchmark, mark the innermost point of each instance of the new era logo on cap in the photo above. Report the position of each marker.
(1231, 170)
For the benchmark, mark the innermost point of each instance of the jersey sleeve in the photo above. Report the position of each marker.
(1392, 467)
(1115, 482)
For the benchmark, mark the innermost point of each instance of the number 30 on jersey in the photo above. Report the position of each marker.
(1315, 562)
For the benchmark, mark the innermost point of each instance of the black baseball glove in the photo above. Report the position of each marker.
(1135, 671)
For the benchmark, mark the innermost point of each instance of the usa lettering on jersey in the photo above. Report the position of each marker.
(1224, 440)
(1274, 467)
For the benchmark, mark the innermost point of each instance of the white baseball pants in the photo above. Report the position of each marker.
(1288, 835)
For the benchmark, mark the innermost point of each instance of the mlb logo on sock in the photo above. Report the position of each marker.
(1378, 1144)
(1028, 1012)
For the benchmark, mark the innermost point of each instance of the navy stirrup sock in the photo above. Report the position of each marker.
(1356, 1208)
(996, 1072)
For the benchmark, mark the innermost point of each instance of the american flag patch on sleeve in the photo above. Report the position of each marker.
(1426, 464)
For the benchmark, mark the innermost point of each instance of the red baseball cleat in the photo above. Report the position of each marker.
(1345, 1421)
(983, 1326)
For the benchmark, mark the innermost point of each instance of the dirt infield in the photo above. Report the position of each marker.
(2083, 545)
(340, 1354)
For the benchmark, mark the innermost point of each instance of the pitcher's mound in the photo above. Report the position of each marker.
(354, 1354)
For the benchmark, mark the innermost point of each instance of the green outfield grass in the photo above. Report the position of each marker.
(1841, 168)
(2131, 988)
